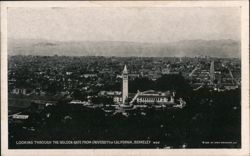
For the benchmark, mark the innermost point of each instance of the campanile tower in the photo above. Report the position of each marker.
(124, 84)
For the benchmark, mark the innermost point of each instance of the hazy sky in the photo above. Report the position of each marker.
(124, 24)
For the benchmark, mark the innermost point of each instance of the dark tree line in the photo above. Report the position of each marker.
(175, 82)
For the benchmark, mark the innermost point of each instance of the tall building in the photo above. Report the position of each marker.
(124, 85)
(212, 75)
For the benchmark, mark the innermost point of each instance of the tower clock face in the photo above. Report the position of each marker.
(125, 76)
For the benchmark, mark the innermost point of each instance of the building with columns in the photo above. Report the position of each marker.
(152, 97)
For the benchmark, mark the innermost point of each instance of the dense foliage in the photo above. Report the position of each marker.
(208, 116)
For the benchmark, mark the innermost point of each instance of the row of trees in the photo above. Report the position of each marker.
(166, 82)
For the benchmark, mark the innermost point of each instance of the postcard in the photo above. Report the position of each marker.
(127, 78)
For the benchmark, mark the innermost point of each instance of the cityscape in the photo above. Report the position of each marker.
(48, 98)
(124, 76)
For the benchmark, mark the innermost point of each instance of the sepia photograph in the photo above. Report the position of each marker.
(102, 76)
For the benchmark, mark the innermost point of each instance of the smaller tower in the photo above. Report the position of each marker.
(212, 76)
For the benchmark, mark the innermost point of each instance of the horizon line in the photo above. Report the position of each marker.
(195, 39)
(56, 55)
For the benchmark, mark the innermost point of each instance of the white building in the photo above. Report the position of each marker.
(116, 95)
(117, 99)
(151, 97)
(19, 91)
(21, 117)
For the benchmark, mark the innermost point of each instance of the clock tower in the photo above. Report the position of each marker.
(125, 85)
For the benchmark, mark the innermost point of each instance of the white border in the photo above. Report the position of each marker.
(244, 151)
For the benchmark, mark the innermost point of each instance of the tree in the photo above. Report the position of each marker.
(173, 82)
(141, 84)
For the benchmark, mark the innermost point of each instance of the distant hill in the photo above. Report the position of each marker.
(190, 48)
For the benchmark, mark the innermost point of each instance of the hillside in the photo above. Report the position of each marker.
(190, 48)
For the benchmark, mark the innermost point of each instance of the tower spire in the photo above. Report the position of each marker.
(125, 70)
